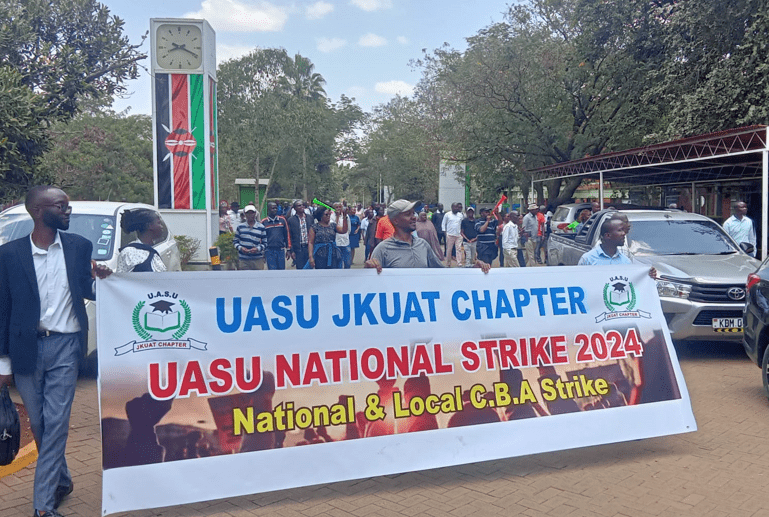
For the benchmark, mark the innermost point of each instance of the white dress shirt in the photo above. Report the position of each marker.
(510, 236)
(452, 223)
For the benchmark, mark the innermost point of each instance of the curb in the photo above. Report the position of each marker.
(26, 455)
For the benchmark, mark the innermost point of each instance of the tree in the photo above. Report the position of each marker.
(253, 128)
(554, 82)
(714, 73)
(61, 52)
(398, 153)
(22, 137)
(300, 80)
(275, 122)
(102, 156)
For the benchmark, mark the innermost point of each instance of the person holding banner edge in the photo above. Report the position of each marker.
(613, 232)
(403, 249)
(44, 278)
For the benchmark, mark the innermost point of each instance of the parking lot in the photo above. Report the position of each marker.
(720, 470)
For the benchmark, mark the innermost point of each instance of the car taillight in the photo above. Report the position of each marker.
(753, 279)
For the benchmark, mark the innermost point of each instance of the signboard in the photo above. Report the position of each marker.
(451, 183)
(238, 382)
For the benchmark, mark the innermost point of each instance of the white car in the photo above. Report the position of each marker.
(99, 222)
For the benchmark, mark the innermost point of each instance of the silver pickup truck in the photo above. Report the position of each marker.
(701, 270)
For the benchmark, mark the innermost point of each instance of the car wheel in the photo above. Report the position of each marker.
(765, 370)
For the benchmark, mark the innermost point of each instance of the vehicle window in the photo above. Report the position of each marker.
(679, 238)
(99, 229)
(13, 226)
(165, 230)
(561, 213)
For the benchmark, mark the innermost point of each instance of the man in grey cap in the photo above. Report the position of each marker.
(404, 249)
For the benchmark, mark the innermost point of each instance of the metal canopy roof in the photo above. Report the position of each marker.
(731, 155)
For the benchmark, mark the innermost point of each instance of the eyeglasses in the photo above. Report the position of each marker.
(61, 206)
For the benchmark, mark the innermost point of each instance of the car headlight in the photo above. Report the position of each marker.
(668, 289)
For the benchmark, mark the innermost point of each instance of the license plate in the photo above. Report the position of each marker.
(727, 323)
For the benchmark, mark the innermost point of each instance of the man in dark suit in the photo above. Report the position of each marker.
(44, 278)
(298, 229)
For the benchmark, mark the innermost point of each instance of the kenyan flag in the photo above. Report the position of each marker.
(180, 144)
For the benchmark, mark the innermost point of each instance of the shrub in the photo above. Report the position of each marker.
(188, 247)
(227, 252)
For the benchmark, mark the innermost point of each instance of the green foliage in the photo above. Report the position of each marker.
(22, 137)
(551, 83)
(714, 75)
(275, 122)
(103, 157)
(55, 55)
(227, 252)
(188, 247)
(398, 153)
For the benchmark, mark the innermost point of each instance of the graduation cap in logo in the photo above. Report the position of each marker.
(619, 287)
(162, 306)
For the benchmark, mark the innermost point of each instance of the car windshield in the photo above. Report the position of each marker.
(676, 237)
(99, 229)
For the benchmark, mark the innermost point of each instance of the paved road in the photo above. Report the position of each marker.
(720, 470)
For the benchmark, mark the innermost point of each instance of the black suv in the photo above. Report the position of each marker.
(755, 320)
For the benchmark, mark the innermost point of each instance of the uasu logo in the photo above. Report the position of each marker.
(161, 323)
(619, 294)
(620, 299)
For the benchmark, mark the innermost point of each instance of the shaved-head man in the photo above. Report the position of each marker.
(44, 278)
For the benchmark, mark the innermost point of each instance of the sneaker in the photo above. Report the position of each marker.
(61, 493)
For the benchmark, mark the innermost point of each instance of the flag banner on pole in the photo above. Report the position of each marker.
(239, 382)
(180, 144)
(213, 139)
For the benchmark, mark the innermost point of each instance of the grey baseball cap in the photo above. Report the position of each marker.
(400, 206)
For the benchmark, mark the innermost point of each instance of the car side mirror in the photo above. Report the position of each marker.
(747, 247)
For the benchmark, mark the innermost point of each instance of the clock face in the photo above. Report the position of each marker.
(179, 46)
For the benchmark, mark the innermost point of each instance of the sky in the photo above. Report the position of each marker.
(362, 48)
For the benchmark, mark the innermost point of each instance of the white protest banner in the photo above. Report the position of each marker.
(209, 382)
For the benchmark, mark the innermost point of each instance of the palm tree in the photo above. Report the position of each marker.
(300, 81)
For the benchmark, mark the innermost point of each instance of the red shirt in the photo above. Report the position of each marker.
(384, 228)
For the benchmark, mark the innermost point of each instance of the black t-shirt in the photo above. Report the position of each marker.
(468, 228)
(437, 221)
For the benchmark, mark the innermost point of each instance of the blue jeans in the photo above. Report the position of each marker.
(276, 258)
(47, 395)
(346, 258)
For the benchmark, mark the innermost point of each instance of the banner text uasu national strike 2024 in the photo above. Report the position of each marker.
(322, 376)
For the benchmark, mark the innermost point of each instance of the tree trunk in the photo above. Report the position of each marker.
(256, 187)
(304, 168)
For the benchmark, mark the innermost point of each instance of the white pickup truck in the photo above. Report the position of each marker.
(701, 270)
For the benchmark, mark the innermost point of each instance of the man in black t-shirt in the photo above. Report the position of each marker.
(487, 227)
(437, 220)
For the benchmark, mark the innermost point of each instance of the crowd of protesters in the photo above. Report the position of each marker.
(306, 235)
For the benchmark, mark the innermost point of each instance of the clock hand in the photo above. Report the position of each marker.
(189, 52)
(183, 47)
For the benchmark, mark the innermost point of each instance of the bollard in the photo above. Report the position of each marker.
(216, 263)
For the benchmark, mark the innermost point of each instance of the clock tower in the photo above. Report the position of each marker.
(183, 60)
